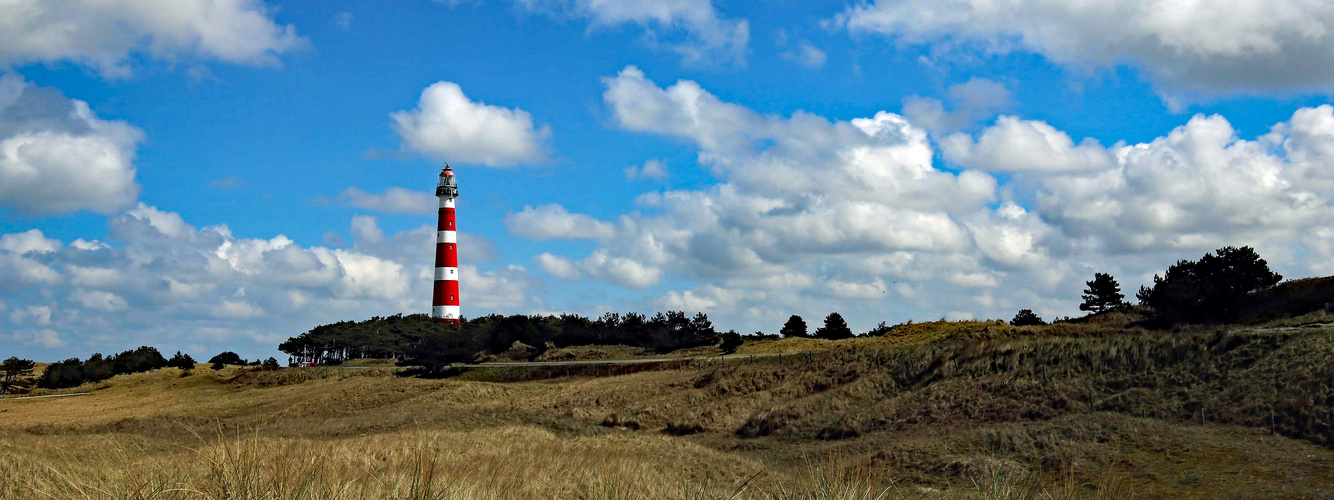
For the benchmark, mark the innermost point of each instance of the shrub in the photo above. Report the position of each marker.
(72, 372)
(227, 358)
(731, 340)
(271, 363)
(682, 428)
(1026, 317)
(182, 361)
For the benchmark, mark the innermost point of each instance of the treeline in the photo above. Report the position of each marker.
(1220, 287)
(73, 372)
(400, 336)
(378, 337)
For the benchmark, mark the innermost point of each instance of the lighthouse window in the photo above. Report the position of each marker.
(451, 272)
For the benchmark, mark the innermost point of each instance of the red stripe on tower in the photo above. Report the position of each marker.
(445, 293)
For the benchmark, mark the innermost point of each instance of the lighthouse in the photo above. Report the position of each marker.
(445, 299)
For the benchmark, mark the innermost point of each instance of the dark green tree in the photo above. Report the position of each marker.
(1143, 295)
(16, 375)
(1103, 294)
(228, 358)
(795, 327)
(835, 328)
(437, 350)
(1212, 289)
(1026, 317)
(182, 361)
(702, 328)
(730, 341)
(271, 363)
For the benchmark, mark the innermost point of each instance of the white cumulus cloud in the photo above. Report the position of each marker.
(552, 221)
(1016, 145)
(704, 36)
(57, 157)
(394, 200)
(1245, 45)
(103, 34)
(446, 125)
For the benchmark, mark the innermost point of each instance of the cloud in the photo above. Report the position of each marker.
(57, 157)
(447, 126)
(1201, 186)
(165, 279)
(806, 55)
(45, 337)
(552, 221)
(98, 300)
(30, 241)
(1015, 145)
(394, 200)
(343, 21)
(974, 100)
(810, 215)
(1249, 46)
(103, 34)
(557, 266)
(34, 315)
(229, 182)
(652, 169)
(615, 270)
(691, 28)
(796, 194)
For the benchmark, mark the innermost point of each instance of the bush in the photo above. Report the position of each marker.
(217, 366)
(1026, 317)
(228, 358)
(682, 428)
(731, 340)
(182, 361)
(73, 373)
(271, 363)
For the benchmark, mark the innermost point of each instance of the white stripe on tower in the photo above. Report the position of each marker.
(445, 296)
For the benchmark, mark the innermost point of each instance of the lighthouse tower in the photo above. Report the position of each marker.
(445, 300)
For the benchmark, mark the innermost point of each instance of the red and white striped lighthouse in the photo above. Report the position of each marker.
(445, 300)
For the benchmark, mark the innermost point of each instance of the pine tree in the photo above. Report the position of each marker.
(835, 328)
(1214, 289)
(16, 376)
(1103, 294)
(703, 328)
(795, 327)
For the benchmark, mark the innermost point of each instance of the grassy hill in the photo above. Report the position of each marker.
(932, 410)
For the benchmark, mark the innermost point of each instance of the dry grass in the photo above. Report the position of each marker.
(981, 411)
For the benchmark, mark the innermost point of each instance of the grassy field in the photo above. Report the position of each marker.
(933, 410)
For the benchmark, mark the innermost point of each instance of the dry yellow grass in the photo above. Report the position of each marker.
(1026, 416)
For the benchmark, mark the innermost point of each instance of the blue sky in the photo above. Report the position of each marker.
(205, 175)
